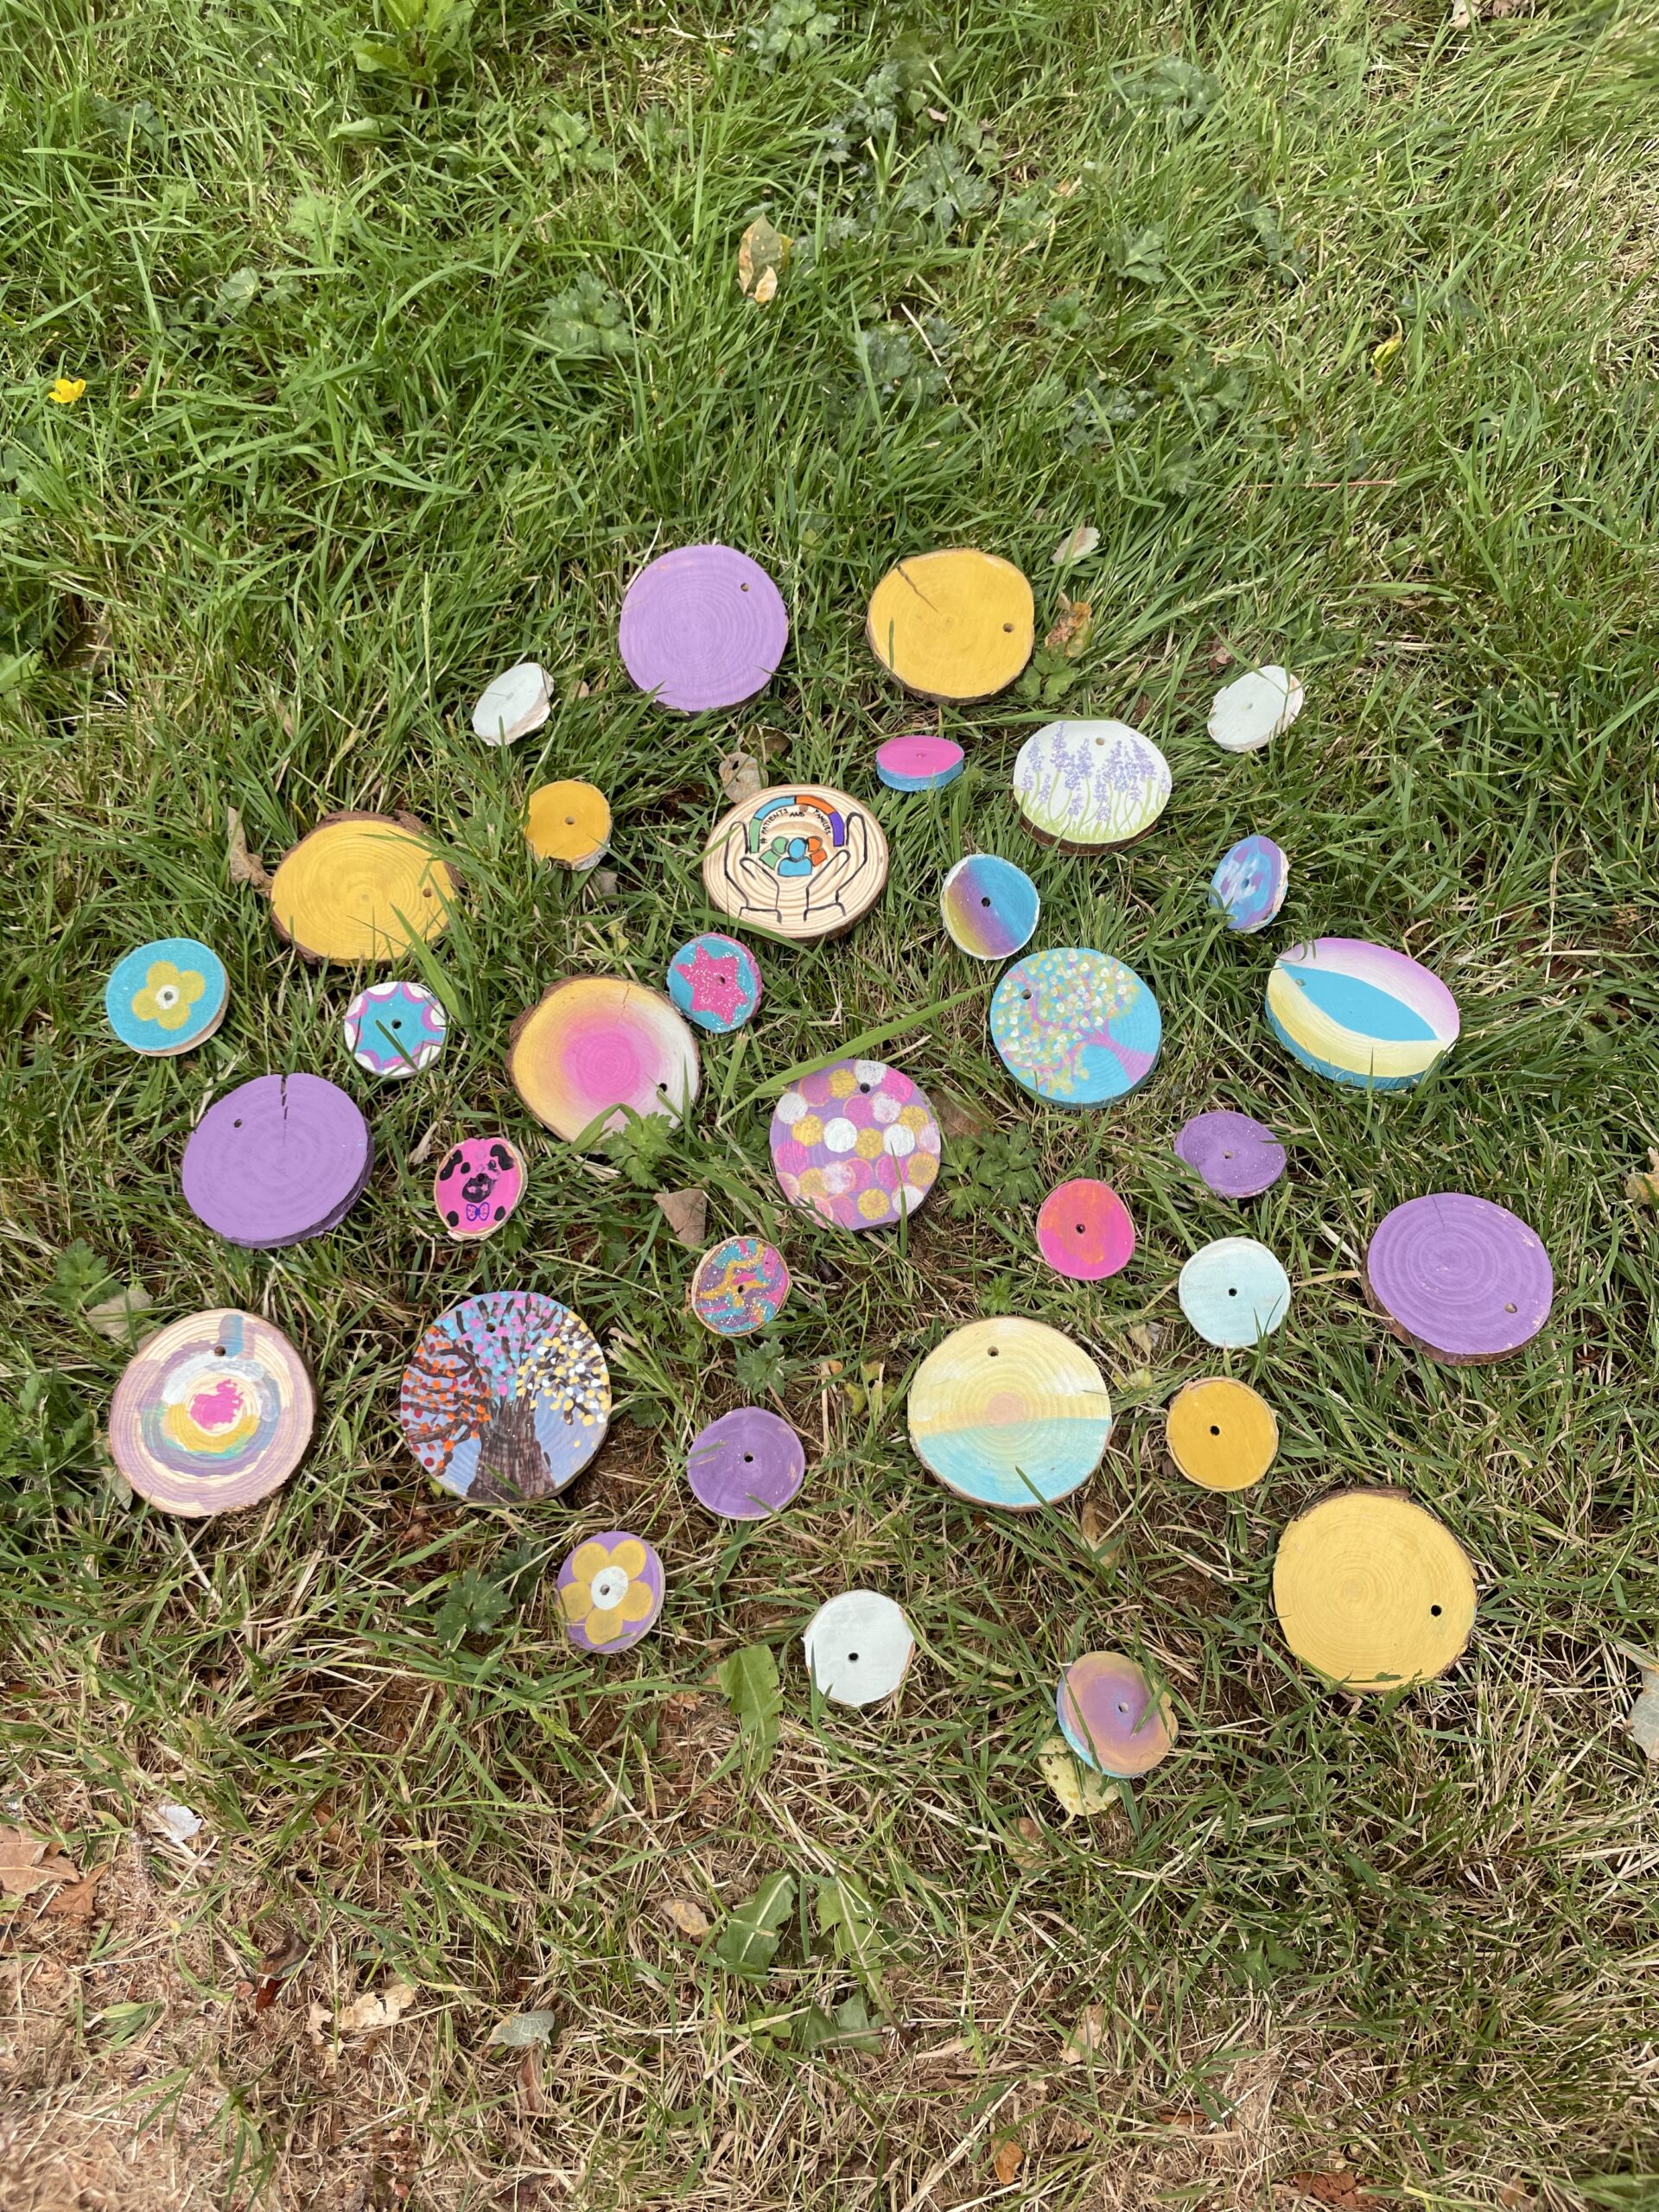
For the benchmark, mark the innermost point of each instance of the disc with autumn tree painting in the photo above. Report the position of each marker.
(507, 1397)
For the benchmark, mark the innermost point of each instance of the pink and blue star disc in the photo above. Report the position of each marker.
(715, 982)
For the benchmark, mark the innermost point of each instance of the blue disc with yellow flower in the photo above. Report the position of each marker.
(166, 996)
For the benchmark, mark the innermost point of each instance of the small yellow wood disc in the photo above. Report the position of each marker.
(955, 624)
(361, 886)
(1221, 1434)
(1372, 1591)
(569, 823)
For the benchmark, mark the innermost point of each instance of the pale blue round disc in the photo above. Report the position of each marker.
(166, 996)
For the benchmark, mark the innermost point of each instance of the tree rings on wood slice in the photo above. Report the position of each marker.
(1254, 706)
(740, 1285)
(361, 886)
(804, 863)
(746, 1464)
(857, 1142)
(990, 906)
(1237, 1157)
(1248, 886)
(1360, 1013)
(212, 1413)
(918, 763)
(506, 1398)
(957, 625)
(1464, 1280)
(1084, 1229)
(858, 1648)
(1075, 1026)
(1009, 1412)
(1373, 1592)
(568, 823)
(395, 1029)
(515, 703)
(702, 627)
(276, 1160)
(1234, 1292)
(477, 1186)
(1086, 785)
(1221, 1434)
(610, 1591)
(715, 982)
(1111, 1716)
(166, 996)
(597, 1044)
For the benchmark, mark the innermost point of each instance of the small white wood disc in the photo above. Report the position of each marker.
(1254, 706)
(858, 1648)
(515, 703)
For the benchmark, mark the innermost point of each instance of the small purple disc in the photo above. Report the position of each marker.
(746, 1464)
(1466, 1280)
(610, 1591)
(702, 627)
(1237, 1157)
(276, 1160)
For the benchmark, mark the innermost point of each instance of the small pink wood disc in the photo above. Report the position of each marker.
(1084, 1230)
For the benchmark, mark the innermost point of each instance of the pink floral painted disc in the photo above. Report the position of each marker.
(1084, 1229)
(857, 1142)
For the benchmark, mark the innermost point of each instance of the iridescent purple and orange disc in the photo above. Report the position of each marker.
(1110, 1716)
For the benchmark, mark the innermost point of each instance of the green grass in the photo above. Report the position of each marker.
(336, 464)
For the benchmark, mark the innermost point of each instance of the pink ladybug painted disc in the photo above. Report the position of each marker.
(857, 1142)
(1084, 1230)
(478, 1184)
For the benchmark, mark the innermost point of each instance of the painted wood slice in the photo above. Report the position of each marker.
(1254, 706)
(746, 1464)
(479, 1183)
(1076, 1027)
(1009, 1412)
(1234, 1292)
(715, 982)
(740, 1285)
(803, 863)
(1360, 1013)
(598, 1043)
(361, 886)
(1084, 1229)
(1221, 1434)
(1237, 1157)
(956, 625)
(1465, 1281)
(858, 1648)
(1373, 1592)
(506, 1398)
(702, 627)
(1086, 785)
(570, 825)
(1250, 884)
(610, 1591)
(276, 1160)
(918, 763)
(213, 1412)
(857, 1143)
(990, 906)
(166, 996)
(1111, 1716)
(513, 705)
(395, 1029)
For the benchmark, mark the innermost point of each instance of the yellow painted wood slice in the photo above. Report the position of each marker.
(362, 887)
(1221, 1434)
(1372, 1591)
(568, 823)
(956, 625)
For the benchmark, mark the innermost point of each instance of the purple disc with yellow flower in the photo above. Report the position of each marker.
(166, 996)
(610, 1591)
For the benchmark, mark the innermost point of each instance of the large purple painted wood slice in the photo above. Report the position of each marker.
(702, 627)
(1465, 1280)
(276, 1160)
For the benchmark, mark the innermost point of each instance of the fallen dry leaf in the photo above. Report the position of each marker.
(957, 1120)
(530, 2098)
(422, 1151)
(1076, 545)
(28, 1862)
(1080, 1789)
(245, 867)
(1220, 656)
(687, 1215)
(1347, 2191)
(1102, 1538)
(1010, 2155)
(1642, 1722)
(762, 257)
(77, 1900)
(317, 2018)
(176, 1822)
(740, 778)
(365, 2015)
(688, 1917)
(1085, 2040)
(1643, 1188)
(1071, 635)
(116, 1317)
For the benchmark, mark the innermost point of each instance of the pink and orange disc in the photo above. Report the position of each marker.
(1084, 1230)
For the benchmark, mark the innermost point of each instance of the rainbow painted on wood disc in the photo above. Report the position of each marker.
(804, 863)
(213, 1412)
(596, 1044)
(1360, 1013)
(1009, 1412)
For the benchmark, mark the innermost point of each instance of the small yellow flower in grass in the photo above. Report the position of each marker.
(66, 390)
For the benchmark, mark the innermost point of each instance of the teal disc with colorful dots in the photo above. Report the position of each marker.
(1075, 1026)
(166, 996)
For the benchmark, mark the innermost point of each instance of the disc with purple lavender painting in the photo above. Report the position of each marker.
(610, 1591)
(1237, 1157)
(746, 1464)
(1462, 1279)
(1248, 886)
(702, 627)
(276, 1160)
(1075, 1026)
(1109, 1715)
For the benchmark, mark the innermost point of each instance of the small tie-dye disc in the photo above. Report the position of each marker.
(1110, 1718)
(1248, 886)
(990, 906)
(610, 1591)
(857, 1142)
(1084, 1230)
(166, 996)
(395, 1029)
(740, 1286)
(746, 1464)
(715, 982)
(212, 1413)
(918, 763)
